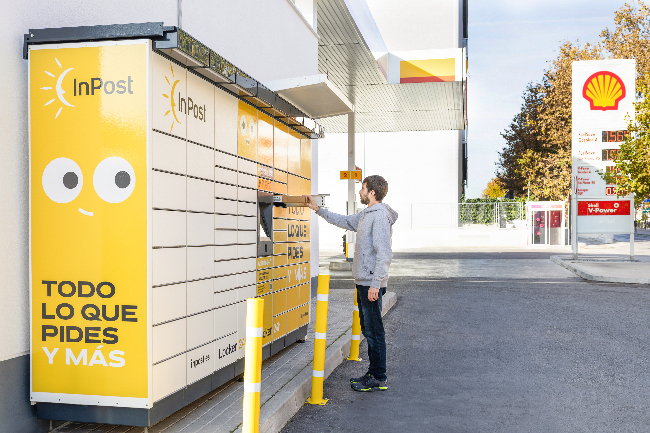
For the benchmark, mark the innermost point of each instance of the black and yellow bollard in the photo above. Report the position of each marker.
(356, 332)
(253, 364)
(320, 342)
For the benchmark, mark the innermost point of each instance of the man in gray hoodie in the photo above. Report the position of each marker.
(372, 257)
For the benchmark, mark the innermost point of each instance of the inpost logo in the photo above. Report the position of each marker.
(603, 90)
(181, 105)
(95, 85)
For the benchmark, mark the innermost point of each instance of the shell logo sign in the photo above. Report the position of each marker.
(603, 90)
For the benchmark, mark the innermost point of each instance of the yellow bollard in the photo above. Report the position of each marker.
(356, 332)
(320, 342)
(253, 364)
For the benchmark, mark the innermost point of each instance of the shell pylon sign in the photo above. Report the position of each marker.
(603, 90)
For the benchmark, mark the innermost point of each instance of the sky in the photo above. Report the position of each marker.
(510, 44)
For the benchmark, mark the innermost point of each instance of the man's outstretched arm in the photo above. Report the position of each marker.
(349, 222)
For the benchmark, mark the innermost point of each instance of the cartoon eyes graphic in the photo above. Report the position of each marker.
(252, 128)
(243, 126)
(114, 180)
(62, 180)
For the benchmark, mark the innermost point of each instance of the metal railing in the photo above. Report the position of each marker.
(502, 215)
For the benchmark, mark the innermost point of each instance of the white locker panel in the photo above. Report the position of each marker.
(246, 166)
(225, 222)
(246, 279)
(246, 180)
(225, 116)
(245, 251)
(200, 110)
(225, 320)
(200, 161)
(225, 298)
(200, 296)
(200, 329)
(247, 209)
(246, 194)
(221, 190)
(169, 122)
(246, 237)
(169, 265)
(225, 267)
(224, 160)
(225, 351)
(200, 363)
(225, 252)
(200, 228)
(169, 190)
(241, 328)
(227, 282)
(169, 228)
(200, 195)
(225, 237)
(247, 223)
(225, 175)
(169, 339)
(169, 377)
(200, 262)
(169, 302)
(225, 206)
(248, 265)
(244, 293)
(168, 153)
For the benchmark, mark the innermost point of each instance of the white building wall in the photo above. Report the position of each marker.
(422, 170)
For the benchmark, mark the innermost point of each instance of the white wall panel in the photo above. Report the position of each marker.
(200, 296)
(246, 180)
(225, 267)
(225, 237)
(225, 298)
(169, 302)
(200, 161)
(169, 228)
(200, 228)
(246, 279)
(244, 251)
(222, 190)
(169, 265)
(225, 175)
(200, 363)
(168, 377)
(169, 190)
(247, 194)
(247, 166)
(200, 329)
(225, 160)
(169, 339)
(224, 206)
(244, 293)
(200, 195)
(247, 223)
(225, 283)
(225, 252)
(225, 222)
(225, 119)
(225, 320)
(169, 153)
(225, 351)
(246, 237)
(247, 209)
(200, 262)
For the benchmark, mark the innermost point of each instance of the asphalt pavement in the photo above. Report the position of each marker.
(493, 342)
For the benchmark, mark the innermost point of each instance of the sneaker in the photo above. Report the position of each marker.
(359, 379)
(369, 383)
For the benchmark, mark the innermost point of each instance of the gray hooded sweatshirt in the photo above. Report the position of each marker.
(372, 251)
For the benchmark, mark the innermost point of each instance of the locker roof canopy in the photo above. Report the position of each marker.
(181, 46)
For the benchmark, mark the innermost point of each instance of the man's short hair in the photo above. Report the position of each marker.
(377, 184)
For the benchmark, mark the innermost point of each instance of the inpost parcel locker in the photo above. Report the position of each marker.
(151, 223)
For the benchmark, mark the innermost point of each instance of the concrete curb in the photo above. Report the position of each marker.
(276, 412)
(570, 265)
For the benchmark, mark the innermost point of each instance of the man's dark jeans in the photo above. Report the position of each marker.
(372, 327)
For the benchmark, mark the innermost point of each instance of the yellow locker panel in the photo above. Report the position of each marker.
(306, 246)
(297, 231)
(263, 288)
(247, 131)
(293, 320)
(304, 314)
(279, 224)
(264, 262)
(279, 236)
(280, 144)
(293, 187)
(305, 158)
(295, 253)
(280, 260)
(268, 319)
(305, 293)
(279, 326)
(280, 188)
(280, 284)
(279, 302)
(293, 297)
(293, 154)
(280, 272)
(265, 139)
(264, 184)
(279, 248)
(280, 176)
(280, 212)
(298, 213)
(298, 274)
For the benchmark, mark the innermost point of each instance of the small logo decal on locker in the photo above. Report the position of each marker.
(113, 179)
(172, 91)
(603, 90)
(58, 88)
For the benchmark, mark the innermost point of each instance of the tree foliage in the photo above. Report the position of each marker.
(494, 189)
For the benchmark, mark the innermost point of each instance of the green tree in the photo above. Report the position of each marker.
(494, 189)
